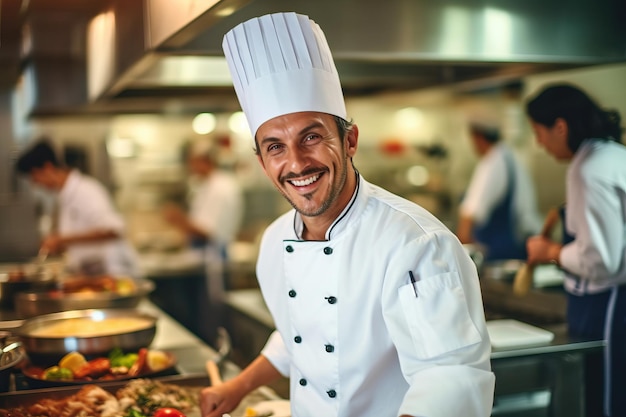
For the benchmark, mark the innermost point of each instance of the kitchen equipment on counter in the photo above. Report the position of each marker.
(476, 252)
(124, 293)
(19, 277)
(95, 332)
(501, 270)
(11, 355)
(524, 277)
(510, 334)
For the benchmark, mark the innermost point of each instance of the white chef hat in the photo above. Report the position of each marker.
(280, 64)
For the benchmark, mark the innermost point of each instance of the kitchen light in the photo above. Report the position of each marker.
(121, 147)
(203, 123)
(238, 123)
(417, 175)
(408, 119)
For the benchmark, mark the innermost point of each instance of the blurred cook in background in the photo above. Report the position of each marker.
(213, 218)
(90, 230)
(499, 209)
(572, 127)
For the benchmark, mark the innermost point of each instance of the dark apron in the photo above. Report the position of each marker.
(498, 233)
(601, 317)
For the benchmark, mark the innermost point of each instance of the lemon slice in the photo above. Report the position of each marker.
(72, 361)
(157, 360)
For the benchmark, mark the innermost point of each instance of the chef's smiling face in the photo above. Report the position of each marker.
(308, 162)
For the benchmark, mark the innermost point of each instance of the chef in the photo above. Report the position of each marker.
(499, 210)
(91, 232)
(212, 222)
(377, 307)
(572, 127)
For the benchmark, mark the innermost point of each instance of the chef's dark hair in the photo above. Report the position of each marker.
(584, 118)
(36, 157)
(491, 134)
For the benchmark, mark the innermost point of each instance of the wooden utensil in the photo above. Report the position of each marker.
(213, 370)
(524, 276)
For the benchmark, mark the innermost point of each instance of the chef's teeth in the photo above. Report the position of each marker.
(302, 183)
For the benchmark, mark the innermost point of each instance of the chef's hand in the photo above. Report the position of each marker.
(542, 250)
(218, 400)
(53, 244)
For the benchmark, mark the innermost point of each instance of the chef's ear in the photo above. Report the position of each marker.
(352, 139)
(561, 127)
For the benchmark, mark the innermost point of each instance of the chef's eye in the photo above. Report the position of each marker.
(312, 138)
(274, 148)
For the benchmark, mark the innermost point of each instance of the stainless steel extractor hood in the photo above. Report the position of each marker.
(163, 54)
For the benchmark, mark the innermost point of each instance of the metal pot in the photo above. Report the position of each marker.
(11, 355)
(16, 278)
(36, 303)
(48, 350)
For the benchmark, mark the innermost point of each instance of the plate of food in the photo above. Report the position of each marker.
(142, 397)
(76, 369)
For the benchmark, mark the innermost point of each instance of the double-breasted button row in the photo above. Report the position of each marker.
(331, 299)
(327, 250)
(327, 347)
(331, 393)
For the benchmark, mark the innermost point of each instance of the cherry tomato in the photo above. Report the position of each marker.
(167, 412)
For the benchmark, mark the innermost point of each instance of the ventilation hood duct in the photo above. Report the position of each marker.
(154, 55)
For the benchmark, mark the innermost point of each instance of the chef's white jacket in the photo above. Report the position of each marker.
(355, 336)
(596, 200)
(489, 186)
(85, 205)
(216, 207)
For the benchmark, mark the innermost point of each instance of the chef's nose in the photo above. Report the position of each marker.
(298, 159)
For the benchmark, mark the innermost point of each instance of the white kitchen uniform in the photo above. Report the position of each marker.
(85, 205)
(356, 338)
(217, 208)
(596, 197)
(488, 188)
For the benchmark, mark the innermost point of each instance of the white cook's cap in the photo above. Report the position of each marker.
(280, 64)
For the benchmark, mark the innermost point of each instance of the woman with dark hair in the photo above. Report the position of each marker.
(572, 127)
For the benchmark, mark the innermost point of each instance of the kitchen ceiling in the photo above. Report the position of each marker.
(168, 58)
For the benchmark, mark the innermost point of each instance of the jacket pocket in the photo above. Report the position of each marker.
(438, 317)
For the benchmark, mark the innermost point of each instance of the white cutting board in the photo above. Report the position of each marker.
(509, 334)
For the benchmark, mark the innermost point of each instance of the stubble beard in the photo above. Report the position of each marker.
(326, 204)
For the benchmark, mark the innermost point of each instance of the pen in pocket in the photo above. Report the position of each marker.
(413, 281)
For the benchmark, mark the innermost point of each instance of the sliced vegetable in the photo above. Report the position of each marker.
(168, 412)
(134, 413)
(157, 360)
(72, 361)
(56, 373)
(119, 359)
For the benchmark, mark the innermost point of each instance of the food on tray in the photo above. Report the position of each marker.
(138, 398)
(75, 367)
(88, 327)
(98, 284)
